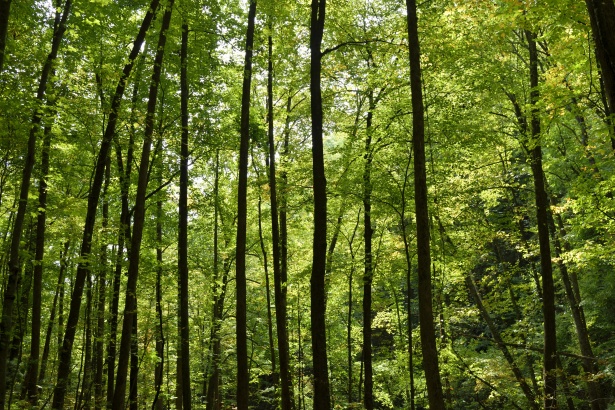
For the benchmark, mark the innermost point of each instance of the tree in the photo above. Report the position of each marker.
(428, 341)
(240, 258)
(322, 398)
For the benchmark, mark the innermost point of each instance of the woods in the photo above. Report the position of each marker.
(307, 205)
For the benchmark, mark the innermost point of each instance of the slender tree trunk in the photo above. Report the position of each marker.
(322, 399)
(213, 397)
(182, 244)
(267, 292)
(280, 283)
(428, 339)
(99, 354)
(85, 395)
(368, 395)
(160, 342)
(350, 309)
(30, 391)
(5, 11)
(243, 381)
(52, 314)
(124, 236)
(94, 194)
(542, 207)
(409, 290)
(130, 306)
(133, 394)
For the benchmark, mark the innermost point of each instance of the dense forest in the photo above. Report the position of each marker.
(350, 204)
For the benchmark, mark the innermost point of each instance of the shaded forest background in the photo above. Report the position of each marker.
(216, 205)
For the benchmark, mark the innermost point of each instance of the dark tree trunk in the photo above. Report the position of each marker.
(159, 369)
(133, 394)
(5, 11)
(350, 309)
(30, 380)
(280, 282)
(267, 292)
(10, 290)
(83, 268)
(182, 244)
(322, 399)
(409, 290)
(243, 380)
(213, 397)
(99, 398)
(130, 306)
(428, 339)
(368, 395)
(542, 208)
(602, 18)
(85, 395)
(123, 238)
(59, 291)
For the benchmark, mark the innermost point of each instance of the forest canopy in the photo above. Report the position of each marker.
(300, 205)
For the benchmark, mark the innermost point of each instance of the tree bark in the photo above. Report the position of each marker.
(428, 339)
(243, 380)
(322, 399)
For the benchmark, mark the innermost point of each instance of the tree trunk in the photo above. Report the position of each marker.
(267, 292)
(368, 394)
(322, 399)
(602, 18)
(428, 339)
(30, 391)
(99, 398)
(124, 236)
(213, 397)
(280, 281)
(133, 394)
(5, 10)
(182, 243)
(59, 291)
(83, 268)
(130, 307)
(243, 381)
(159, 369)
(542, 207)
